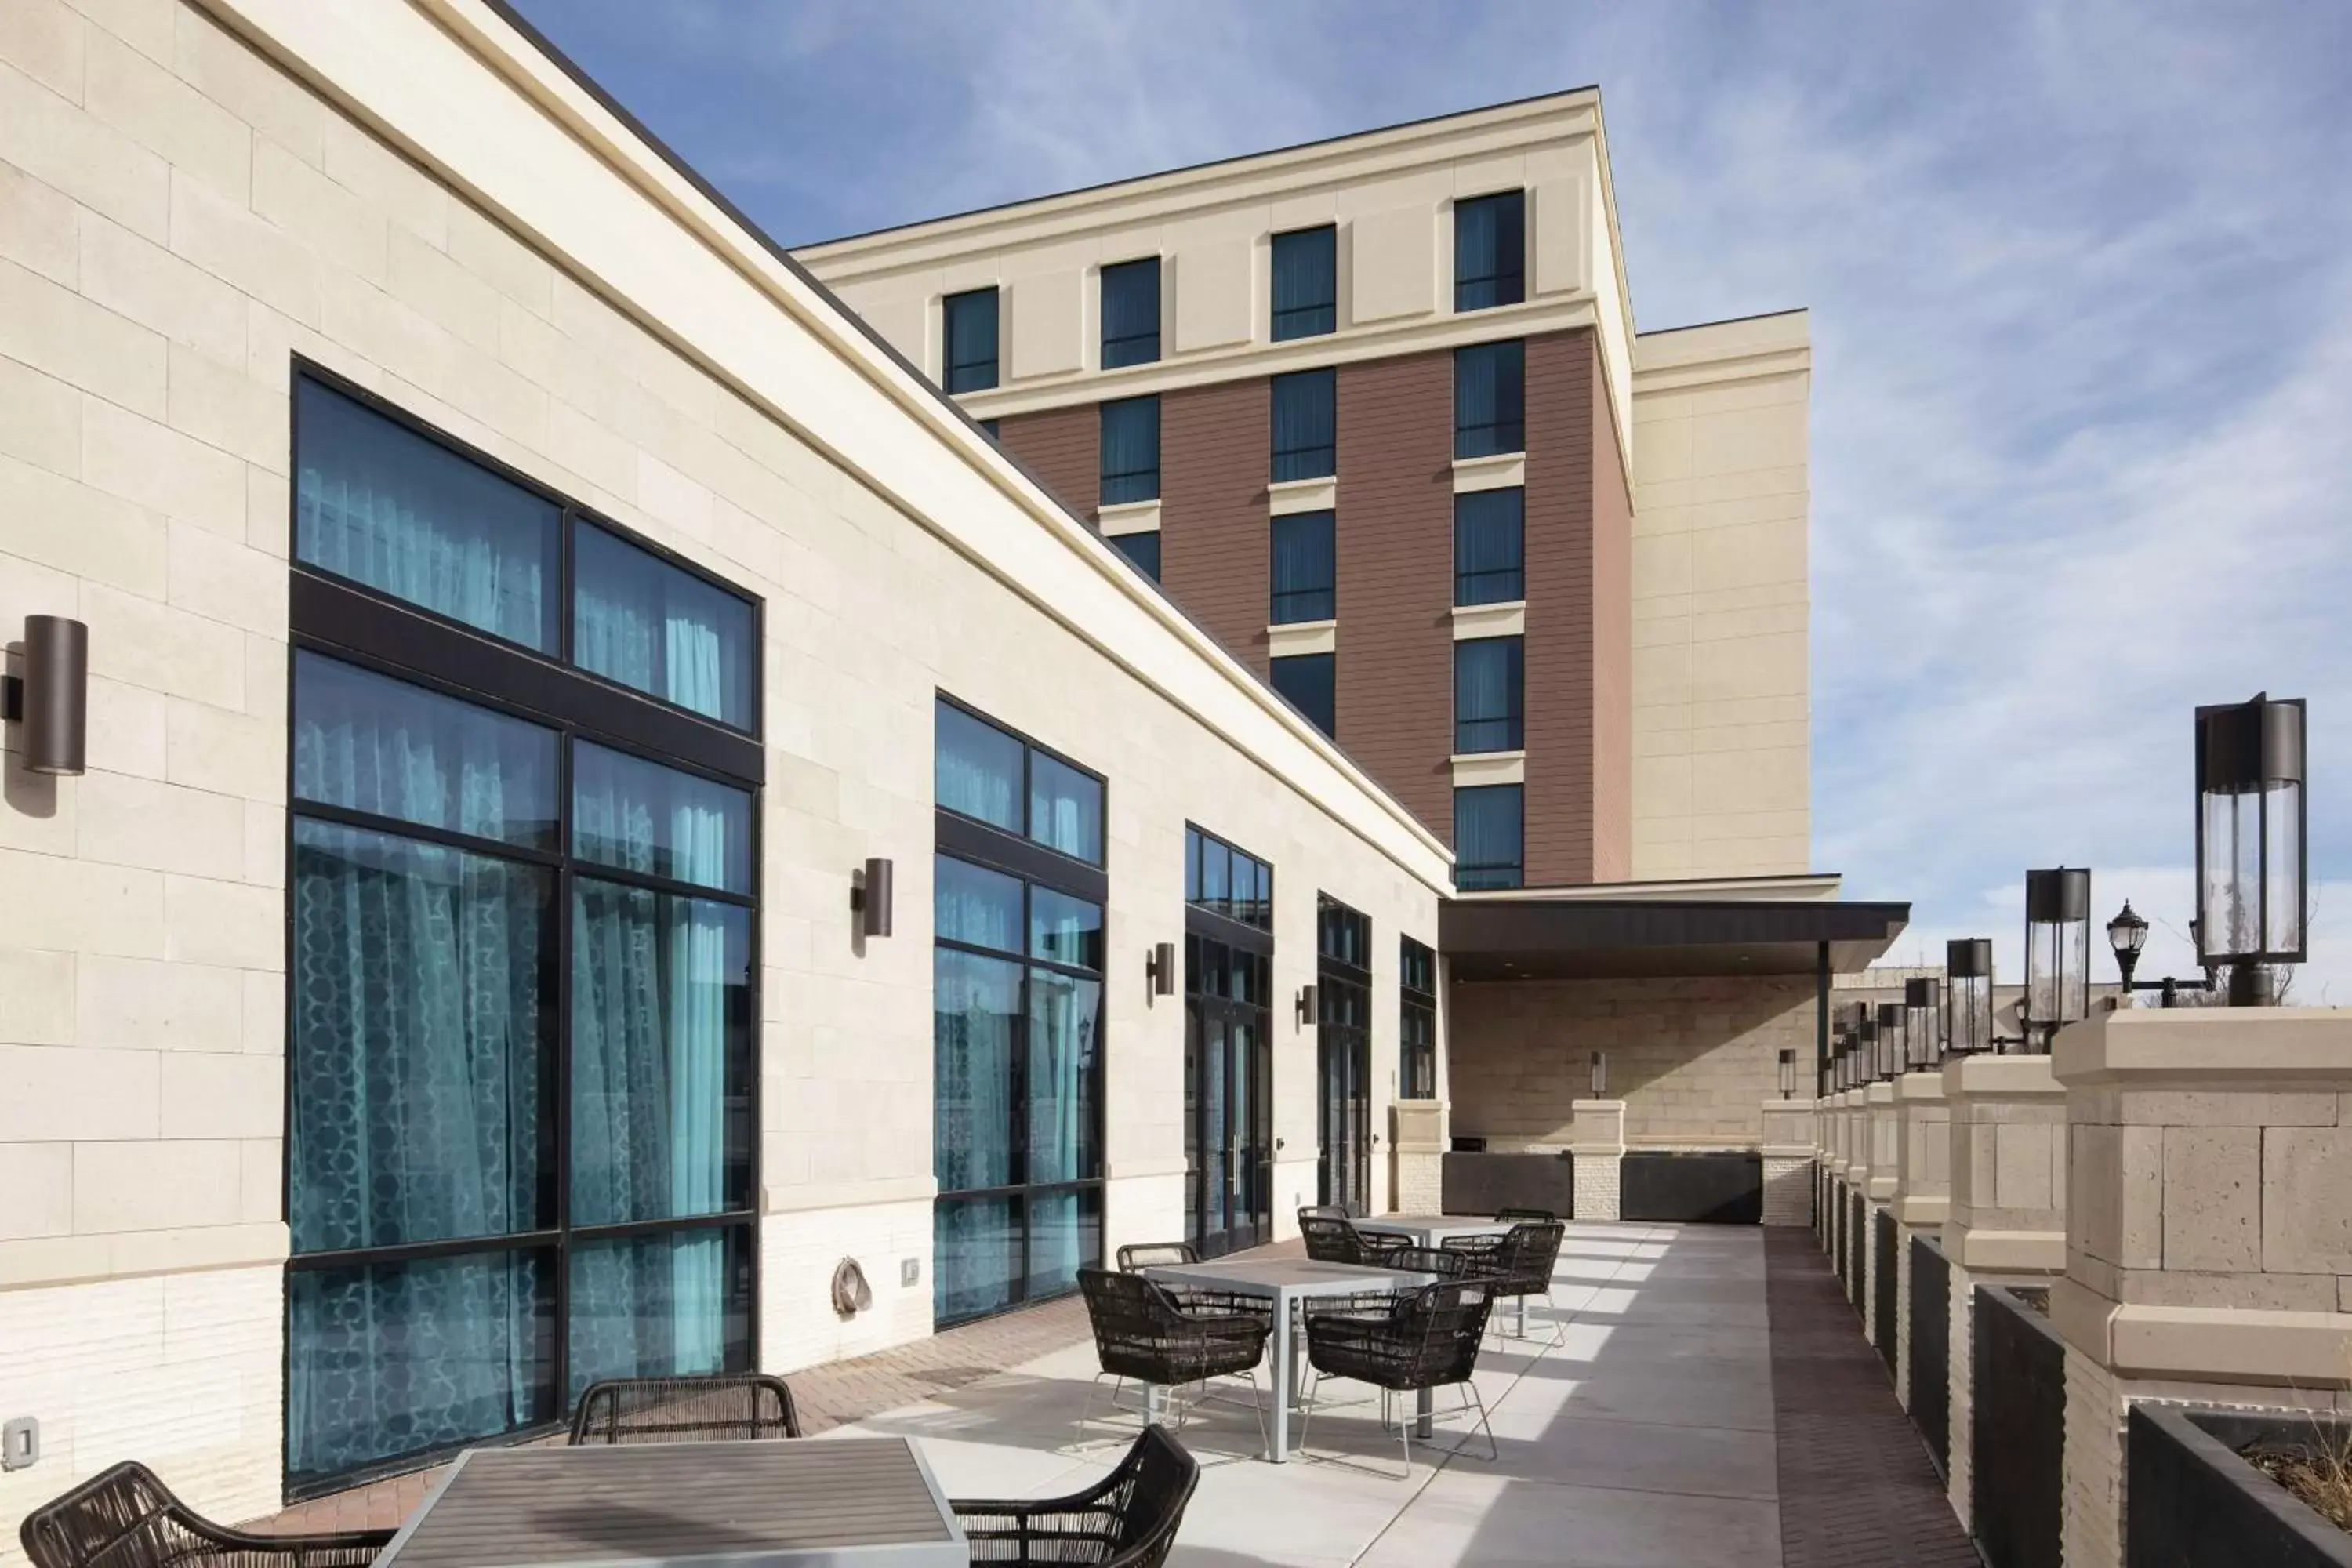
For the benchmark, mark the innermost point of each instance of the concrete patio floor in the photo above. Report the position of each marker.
(1645, 1437)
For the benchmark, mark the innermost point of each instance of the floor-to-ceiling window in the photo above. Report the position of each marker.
(1016, 1031)
(1228, 1050)
(1343, 1055)
(521, 1070)
(1417, 1021)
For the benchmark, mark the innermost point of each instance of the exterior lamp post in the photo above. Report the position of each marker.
(2057, 952)
(1890, 1039)
(1921, 1018)
(1968, 995)
(2252, 857)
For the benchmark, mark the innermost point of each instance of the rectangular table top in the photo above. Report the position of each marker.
(1434, 1225)
(790, 1504)
(1292, 1276)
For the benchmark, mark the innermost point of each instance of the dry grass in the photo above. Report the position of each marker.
(2320, 1475)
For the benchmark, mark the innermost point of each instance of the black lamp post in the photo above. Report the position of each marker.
(2252, 858)
(1968, 995)
(1921, 1018)
(2057, 952)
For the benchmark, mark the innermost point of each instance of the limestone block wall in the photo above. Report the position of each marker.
(1597, 1185)
(1693, 1058)
(1788, 1190)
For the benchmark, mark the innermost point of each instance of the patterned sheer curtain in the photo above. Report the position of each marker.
(648, 625)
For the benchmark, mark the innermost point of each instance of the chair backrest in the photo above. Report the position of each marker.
(1427, 1260)
(121, 1517)
(1529, 1252)
(1506, 1215)
(1328, 1211)
(1330, 1237)
(1155, 1255)
(1155, 1482)
(741, 1406)
(1449, 1320)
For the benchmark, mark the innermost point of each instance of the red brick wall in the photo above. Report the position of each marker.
(1063, 448)
(1395, 538)
(1613, 645)
(1213, 524)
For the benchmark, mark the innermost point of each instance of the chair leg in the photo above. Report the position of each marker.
(1087, 1410)
(1306, 1417)
(1494, 1451)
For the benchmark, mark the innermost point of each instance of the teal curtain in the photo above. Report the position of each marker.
(1065, 808)
(976, 768)
(659, 629)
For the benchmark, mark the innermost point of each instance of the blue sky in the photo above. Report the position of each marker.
(2081, 278)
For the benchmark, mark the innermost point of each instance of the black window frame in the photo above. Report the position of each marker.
(1284, 465)
(1507, 436)
(1508, 280)
(1312, 317)
(1297, 605)
(338, 618)
(1129, 346)
(1417, 1020)
(1196, 842)
(1275, 669)
(1107, 479)
(1343, 1028)
(1478, 733)
(949, 371)
(1470, 587)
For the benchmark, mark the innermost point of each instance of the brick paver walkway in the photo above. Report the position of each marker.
(1857, 1488)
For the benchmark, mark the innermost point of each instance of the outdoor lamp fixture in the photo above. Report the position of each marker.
(1890, 1039)
(2126, 934)
(1305, 1006)
(2251, 852)
(1788, 1075)
(1601, 1074)
(1160, 968)
(2057, 952)
(1968, 995)
(1865, 1050)
(1921, 1021)
(51, 698)
(869, 895)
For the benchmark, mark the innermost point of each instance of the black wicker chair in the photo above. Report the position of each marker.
(1128, 1520)
(1142, 1255)
(1160, 1339)
(125, 1518)
(1516, 1265)
(1510, 1216)
(1334, 1239)
(685, 1410)
(1136, 1256)
(1427, 1339)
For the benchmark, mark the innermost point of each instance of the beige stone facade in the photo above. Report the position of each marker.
(412, 197)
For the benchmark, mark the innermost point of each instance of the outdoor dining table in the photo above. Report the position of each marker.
(871, 1501)
(1287, 1281)
(1431, 1229)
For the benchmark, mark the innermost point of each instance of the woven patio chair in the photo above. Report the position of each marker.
(1136, 1256)
(1427, 1339)
(740, 1405)
(1142, 1255)
(125, 1518)
(1129, 1519)
(1149, 1335)
(1516, 1265)
(1334, 1239)
(1506, 1216)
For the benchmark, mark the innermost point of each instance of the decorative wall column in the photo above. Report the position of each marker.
(2007, 1223)
(1787, 1146)
(1599, 1151)
(1417, 1149)
(2208, 1236)
(1923, 1189)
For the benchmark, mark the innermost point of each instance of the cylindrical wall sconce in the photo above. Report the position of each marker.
(870, 897)
(1601, 1074)
(52, 698)
(1968, 994)
(1160, 968)
(2057, 952)
(1307, 1004)
(1788, 1075)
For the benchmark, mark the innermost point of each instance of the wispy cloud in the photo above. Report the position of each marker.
(2081, 278)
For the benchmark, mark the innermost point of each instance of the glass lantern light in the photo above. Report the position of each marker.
(2057, 952)
(1890, 1039)
(2251, 860)
(1865, 1050)
(1968, 995)
(1922, 1026)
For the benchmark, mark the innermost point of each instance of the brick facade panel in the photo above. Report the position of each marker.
(1062, 449)
(1213, 549)
(1561, 672)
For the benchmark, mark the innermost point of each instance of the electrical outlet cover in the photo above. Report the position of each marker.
(910, 1271)
(20, 1443)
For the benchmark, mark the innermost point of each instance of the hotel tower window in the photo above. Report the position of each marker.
(968, 325)
(1304, 423)
(1490, 251)
(1306, 283)
(1130, 313)
(521, 1143)
(1016, 1029)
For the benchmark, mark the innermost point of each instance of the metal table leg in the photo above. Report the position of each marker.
(1283, 1379)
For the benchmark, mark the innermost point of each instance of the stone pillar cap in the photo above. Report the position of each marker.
(1928, 1086)
(2000, 1078)
(2224, 1047)
(1882, 1093)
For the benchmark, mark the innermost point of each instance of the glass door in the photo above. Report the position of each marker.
(1343, 1056)
(1228, 1142)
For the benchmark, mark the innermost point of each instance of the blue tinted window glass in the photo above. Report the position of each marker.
(367, 743)
(1490, 399)
(645, 623)
(1306, 283)
(1130, 313)
(1216, 864)
(1065, 1029)
(1143, 549)
(968, 321)
(977, 1267)
(1130, 450)
(1064, 930)
(1489, 560)
(380, 504)
(1065, 808)
(661, 1306)
(636, 815)
(1490, 251)
(1065, 1236)
(1310, 682)
(1488, 693)
(975, 1015)
(1192, 865)
(973, 904)
(1305, 440)
(976, 768)
(1487, 825)
(661, 1055)
(1303, 570)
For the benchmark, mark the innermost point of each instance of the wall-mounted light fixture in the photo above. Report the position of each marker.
(1160, 968)
(1306, 1013)
(869, 895)
(51, 700)
(1788, 1075)
(1601, 1074)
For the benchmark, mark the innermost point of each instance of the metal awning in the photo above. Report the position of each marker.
(1576, 936)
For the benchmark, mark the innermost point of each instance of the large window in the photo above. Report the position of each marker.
(1143, 549)
(1310, 682)
(1306, 283)
(1304, 425)
(1130, 313)
(1228, 1045)
(521, 1121)
(1016, 1033)
(969, 324)
(1490, 251)
(1417, 1034)
(1130, 450)
(1489, 694)
(1490, 399)
(1489, 546)
(382, 504)
(1303, 569)
(1343, 1055)
(1489, 834)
